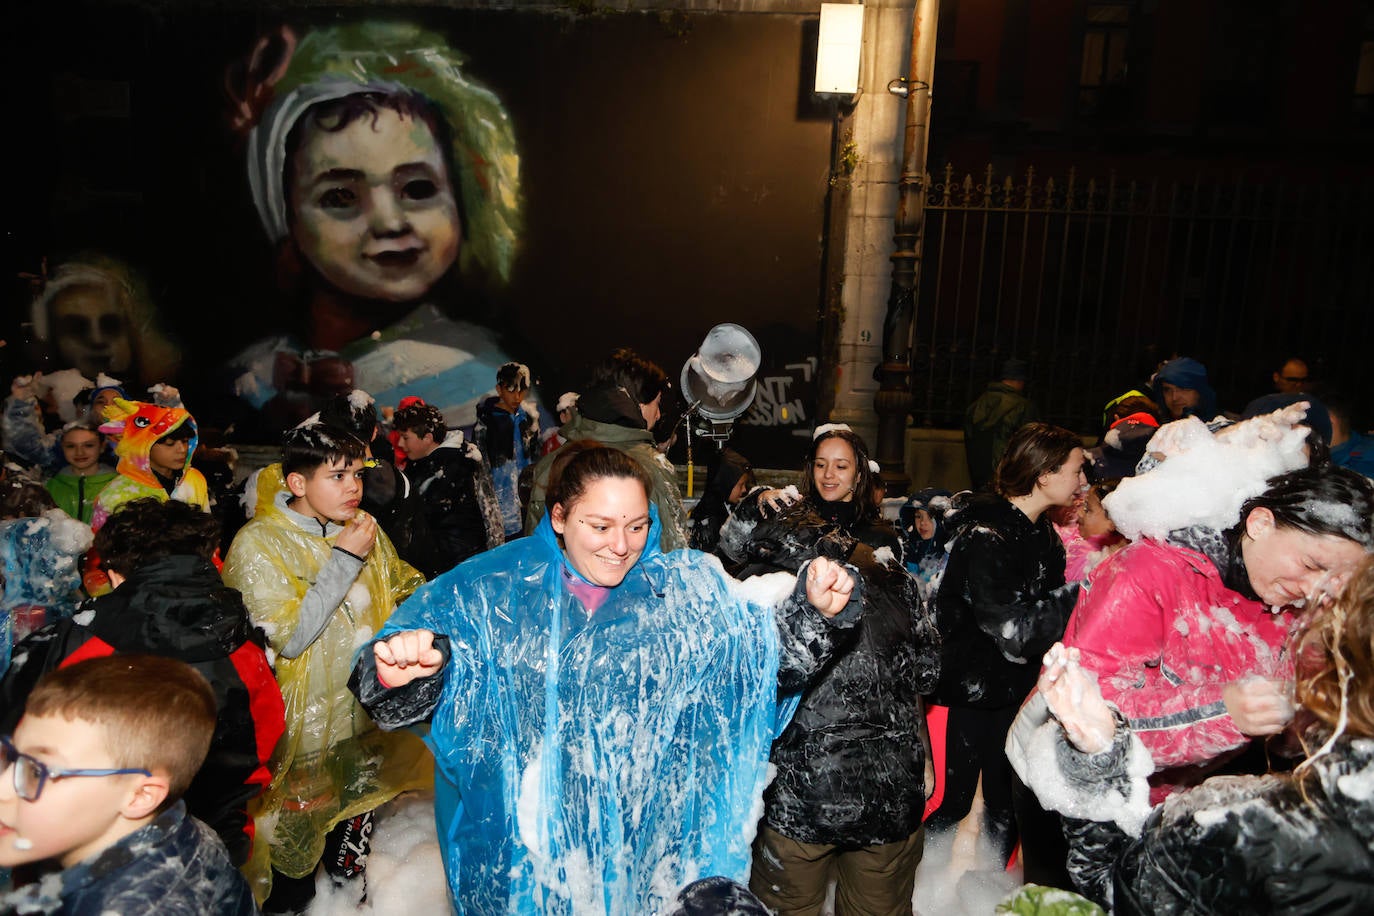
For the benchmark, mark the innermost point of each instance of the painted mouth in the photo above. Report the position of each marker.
(392, 260)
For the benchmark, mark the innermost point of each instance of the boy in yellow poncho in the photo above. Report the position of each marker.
(321, 578)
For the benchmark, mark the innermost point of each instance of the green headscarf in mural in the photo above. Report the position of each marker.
(389, 57)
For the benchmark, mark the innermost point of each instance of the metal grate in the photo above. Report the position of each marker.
(1096, 281)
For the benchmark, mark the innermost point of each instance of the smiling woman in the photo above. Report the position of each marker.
(600, 712)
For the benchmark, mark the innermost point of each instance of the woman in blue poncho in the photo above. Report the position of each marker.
(600, 712)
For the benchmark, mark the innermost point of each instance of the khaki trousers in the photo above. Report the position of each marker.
(792, 878)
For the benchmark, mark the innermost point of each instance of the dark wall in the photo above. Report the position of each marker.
(674, 177)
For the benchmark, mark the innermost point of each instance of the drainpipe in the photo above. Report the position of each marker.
(893, 400)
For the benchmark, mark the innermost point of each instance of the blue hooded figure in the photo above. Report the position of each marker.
(600, 712)
(1181, 385)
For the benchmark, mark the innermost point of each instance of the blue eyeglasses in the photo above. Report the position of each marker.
(30, 775)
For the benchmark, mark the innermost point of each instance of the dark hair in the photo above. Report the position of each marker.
(185, 431)
(23, 498)
(581, 462)
(1325, 500)
(863, 476)
(625, 368)
(355, 414)
(422, 420)
(1033, 450)
(148, 529)
(1101, 488)
(154, 712)
(305, 448)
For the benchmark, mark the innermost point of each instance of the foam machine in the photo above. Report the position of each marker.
(718, 385)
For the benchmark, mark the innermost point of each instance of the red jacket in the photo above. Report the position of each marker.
(1165, 635)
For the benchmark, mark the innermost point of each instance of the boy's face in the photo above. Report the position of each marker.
(331, 492)
(414, 445)
(510, 399)
(168, 456)
(374, 210)
(73, 818)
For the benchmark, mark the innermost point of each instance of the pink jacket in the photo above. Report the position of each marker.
(1165, 635)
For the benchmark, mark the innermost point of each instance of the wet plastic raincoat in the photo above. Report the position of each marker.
(333, 762)
(598, 762)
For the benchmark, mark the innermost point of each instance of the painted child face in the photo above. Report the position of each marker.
(1092, 517)
(834, 470)
(925, 525)
(90, 332)
(374, 210)
(81, 448)
(604, 532)
(330, 491)
(72, 818)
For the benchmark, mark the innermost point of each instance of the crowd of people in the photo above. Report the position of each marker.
(768, 701)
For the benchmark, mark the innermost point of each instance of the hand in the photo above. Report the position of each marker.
(1259, 705)
(930, 777)
(1076, 701)
(22, 387)
(777, 500)
(165, 395)
(359, 535)
(828, 586)
(406, 656)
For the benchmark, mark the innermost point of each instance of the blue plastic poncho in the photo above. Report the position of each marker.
(40, 575)
(598, 763)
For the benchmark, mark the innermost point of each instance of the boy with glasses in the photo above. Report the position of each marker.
(92, 780)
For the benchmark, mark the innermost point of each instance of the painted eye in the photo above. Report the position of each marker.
(142, 422)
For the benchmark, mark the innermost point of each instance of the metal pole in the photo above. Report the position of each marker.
(893, 400)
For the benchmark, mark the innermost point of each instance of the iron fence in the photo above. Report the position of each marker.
(1096, 281)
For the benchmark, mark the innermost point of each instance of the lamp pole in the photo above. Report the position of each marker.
(893, 400)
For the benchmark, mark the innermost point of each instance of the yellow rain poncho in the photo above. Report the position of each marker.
(333, 762)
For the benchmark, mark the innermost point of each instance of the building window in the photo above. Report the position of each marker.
(1106, 47)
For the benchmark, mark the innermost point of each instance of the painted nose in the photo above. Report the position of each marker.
(386, 216)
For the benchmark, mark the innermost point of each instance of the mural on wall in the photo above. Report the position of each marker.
(321, 199)
(381, 172)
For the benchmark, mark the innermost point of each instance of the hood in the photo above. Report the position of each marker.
(138, 425)
(1346, 775)
(544, 531)
(610, 404)
(1186, 372)
(729, 469)
(175, 605)
(1122, 447)
(936, 501)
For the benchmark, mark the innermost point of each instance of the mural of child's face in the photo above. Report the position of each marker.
(89, 331)
(374, 210)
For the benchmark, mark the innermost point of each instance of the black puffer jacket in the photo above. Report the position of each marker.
(178, 607)
(1235, 844)
(1001, 603)
(460, 508)
(710, 512)
(851, 765)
